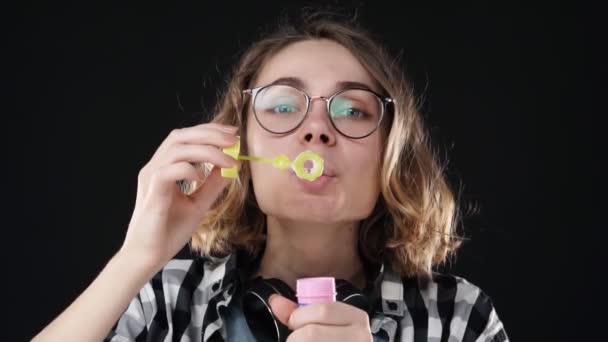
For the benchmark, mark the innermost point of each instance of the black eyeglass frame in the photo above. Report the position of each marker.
(383, 100)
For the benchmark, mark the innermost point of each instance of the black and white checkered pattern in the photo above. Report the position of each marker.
(183, 300)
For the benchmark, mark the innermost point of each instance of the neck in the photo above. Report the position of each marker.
(302, 249)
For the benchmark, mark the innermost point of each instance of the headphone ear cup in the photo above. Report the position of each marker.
(349, 294)
(263, 324)
(281, 288)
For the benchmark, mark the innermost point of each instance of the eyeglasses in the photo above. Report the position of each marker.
(355, 113)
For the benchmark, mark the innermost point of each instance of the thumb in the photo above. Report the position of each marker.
(282, 307)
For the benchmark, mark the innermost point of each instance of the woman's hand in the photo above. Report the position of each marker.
(323, 321)
(164, 218)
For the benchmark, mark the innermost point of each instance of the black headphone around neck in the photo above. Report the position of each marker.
(264, 326)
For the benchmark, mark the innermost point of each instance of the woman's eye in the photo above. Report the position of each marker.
(350, 112)
(284, 108)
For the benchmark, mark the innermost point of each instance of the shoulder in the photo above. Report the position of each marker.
(181, 277)
(191, 274)
(179, 285)
(439, 289)
(465, 295)
(448, 304)
(453, 287)
(473, 313)
(165, 306)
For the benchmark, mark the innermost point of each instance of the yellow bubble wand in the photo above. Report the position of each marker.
(280, 162)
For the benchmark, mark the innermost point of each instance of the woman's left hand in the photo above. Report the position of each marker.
(323, 321)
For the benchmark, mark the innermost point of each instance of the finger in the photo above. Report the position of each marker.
(335, 313)
(319, 332)
(281, 307)
(198, 154)
(162, 181)
(210, 134)
(210, 190)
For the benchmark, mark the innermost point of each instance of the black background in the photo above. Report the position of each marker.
(91, 91)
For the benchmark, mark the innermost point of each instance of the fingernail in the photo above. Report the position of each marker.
(229, 129)
(273, 296)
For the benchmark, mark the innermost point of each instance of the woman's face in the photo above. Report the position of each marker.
(351, 186)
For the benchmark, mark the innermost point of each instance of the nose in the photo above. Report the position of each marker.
(317, 127)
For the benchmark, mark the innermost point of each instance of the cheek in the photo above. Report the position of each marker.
(260, 188)
(260, 173)
(368, 161)
(365, 180)
(259, 142)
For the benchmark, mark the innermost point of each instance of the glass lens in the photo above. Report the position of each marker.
(356, 112)
(279, 108)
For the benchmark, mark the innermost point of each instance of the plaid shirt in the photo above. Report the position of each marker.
(182, 303)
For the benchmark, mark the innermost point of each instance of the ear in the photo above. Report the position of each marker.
(282, 308)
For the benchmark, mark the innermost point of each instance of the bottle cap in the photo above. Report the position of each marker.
(320, 287)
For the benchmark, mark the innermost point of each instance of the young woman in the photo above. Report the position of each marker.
(378, 219)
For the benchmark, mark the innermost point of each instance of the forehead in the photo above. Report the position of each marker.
(320, 64)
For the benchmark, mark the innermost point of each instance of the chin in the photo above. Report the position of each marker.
(305, 209)
(316, 210)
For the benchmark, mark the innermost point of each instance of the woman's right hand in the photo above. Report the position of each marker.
(164, 218)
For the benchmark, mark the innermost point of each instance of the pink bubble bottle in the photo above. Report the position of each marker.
(315, 290)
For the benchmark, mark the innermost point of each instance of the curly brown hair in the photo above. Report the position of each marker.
(413, 225)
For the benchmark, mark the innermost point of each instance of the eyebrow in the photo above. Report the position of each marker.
(299, 83)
